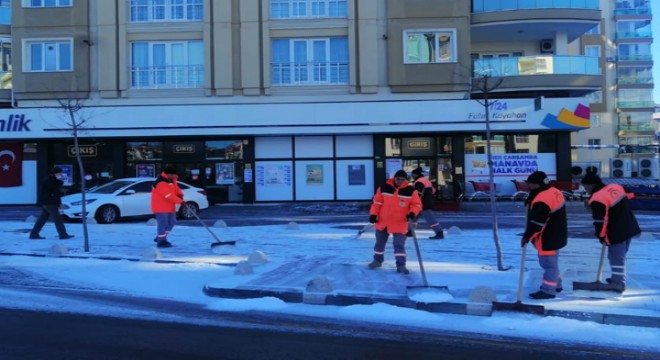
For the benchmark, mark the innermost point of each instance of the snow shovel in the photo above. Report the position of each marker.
(217, 239)
(597, 285)
(518, 305)
(363, 230)
(426, 293)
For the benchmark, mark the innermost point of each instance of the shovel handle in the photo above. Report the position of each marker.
(600, 263)
(217, 239)
(522, 273)
(419, 254)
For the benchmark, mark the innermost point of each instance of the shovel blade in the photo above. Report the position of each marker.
(429, 294)
(592, 286)
(220, 243)
(519, 307)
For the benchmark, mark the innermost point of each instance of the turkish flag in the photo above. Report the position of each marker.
(11, 164)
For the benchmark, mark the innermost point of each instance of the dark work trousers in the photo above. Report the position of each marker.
(430, 219)
(399, 246)
(616, 254)
(166, 223)
(46, 212)
(551, 277)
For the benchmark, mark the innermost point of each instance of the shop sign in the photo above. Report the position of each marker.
(85, 150)
(183, 149)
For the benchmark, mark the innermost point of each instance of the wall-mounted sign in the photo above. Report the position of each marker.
(183, 149)
(84, 150)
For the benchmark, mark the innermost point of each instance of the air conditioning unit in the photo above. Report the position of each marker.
(620, 168)
(579, 169)
(547, 46)
(649, 168)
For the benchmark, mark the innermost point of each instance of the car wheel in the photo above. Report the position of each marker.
(107, 214)
(188, 210)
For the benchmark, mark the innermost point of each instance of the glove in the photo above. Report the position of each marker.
(523, 242)
(373, 219)
(411, 216)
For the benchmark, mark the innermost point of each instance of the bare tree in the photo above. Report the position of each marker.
(482, 85)
(75, 119)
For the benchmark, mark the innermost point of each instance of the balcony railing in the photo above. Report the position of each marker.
(503, 5)
(638, 11)
(634, 35)
(635, 57)
(309, 73)
(632, 80)
(165, 10)
(637, 127)
(635, 104)
(164, 77)
(537, 65)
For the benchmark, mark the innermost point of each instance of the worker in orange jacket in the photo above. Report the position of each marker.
(393, 205)
(615, 224)
(165, 195)
(547, 229)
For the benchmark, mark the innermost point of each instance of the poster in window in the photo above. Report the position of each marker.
(356, 174)
(273, 175)
(314, 174)
(67, 174)
(145, 170)
(224, 173)
(392, 166)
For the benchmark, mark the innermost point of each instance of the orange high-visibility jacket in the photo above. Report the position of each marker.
(392, 204)
(165, 195)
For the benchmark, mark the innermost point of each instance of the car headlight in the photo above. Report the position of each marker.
(87, 201)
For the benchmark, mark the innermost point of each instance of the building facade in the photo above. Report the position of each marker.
(305, 100)
(623, 132)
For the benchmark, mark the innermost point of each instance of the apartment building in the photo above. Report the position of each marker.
(623, 132)
(299, 100)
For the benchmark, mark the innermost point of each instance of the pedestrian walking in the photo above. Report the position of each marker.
(614, 222)
(394, 204)
(50, 200)
(426, 192)
(165, 195)
(547, 229)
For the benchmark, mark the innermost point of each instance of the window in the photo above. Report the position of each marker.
(594, 121)
(594, 30)
(224, 149)
(167, 64)
(46, 3)
(595, 142)
(309, 61)
(429, 46)
(522, 139)
(47, 55)
(166, 10)
(595, 97)
(286, 9)
(136, 151)
(592, 50)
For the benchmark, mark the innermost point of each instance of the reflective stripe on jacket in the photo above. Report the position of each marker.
(392, 204)
(165, 194)
(546, 220)
(614, 220)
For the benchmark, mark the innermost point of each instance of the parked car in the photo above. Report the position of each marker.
(128, 197)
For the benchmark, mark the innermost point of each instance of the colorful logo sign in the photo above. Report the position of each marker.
(570, 120)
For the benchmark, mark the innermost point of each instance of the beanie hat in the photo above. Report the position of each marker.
(418, 172)
(591, 179)
(56, 170)
(170, 170)
(538, 178)
(401, 173)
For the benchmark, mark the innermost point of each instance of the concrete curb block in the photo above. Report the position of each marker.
(118, 258)
(472, 309)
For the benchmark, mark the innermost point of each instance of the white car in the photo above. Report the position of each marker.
(128, 197)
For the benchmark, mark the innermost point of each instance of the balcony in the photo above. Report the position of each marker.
(309, 73)
(569, 75)
(165, 10)
(632, 12)
(635, 58)
(523, 20)
(634, 80)
(634, 35)
(640, 104)
(167, 77)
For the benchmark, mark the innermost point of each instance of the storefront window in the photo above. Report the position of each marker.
(136, 151)
(224, 149)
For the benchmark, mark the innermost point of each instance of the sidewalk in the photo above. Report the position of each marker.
(464, 261)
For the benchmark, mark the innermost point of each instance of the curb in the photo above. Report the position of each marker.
(117, 258)
(473, 309)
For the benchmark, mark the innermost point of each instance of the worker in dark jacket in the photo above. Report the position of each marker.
(50, 199)
(394, 205)
(547, 229)
(426, 192)
(615, 224)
